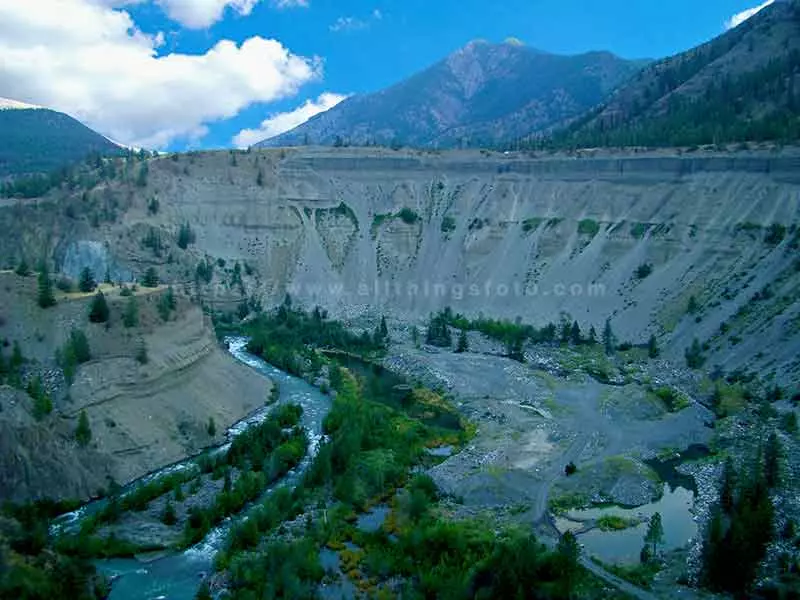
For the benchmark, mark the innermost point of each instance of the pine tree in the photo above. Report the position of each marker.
(86, 282)
(772, 460)
(384, 329)
(211, 428)
(98, 312)
(575, 334)
(260, 179)
(655, 532)
(569, 552)
(23, 270)
(608, 338)
(463, 342)
(728, 490)
(592, 339)
(46, 298)
(130, 317)
(168, 517)
(652, 347)
(150, 279)
(83, 432)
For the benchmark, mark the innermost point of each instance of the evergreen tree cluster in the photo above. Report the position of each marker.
(742, 524)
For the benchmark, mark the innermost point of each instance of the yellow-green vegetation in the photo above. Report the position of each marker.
(562, 504)
(589, 359)
(615, 523)
(617, 466)
(371, 449)
(729, 398)
(674, 400)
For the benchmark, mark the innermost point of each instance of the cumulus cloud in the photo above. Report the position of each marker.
(741, 17)
(282, 122)
(88, 59)
(195, 14)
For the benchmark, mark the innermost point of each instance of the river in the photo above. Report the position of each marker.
(177, 576)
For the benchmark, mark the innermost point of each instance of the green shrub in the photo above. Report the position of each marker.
(130, 316)
(408, 216)
(98, 311)
(83, 432)
(775, 234)
(45, 297)
(588, 227)
(695, 358)
(448, 224)
(86, 282)
(23, 270)
(643, 271)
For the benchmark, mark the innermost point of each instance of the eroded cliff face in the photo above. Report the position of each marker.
(406, 233)
(143, 413)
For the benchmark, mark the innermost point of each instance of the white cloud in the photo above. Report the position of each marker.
(282, 122)
(741, 17)
(199, 14)
(194, 14)
(291, 3)
(348, 24)
(90, 60)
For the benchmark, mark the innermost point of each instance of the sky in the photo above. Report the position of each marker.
(186, 74)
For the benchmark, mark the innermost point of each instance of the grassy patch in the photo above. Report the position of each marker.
(566, 502)
(615, 523)
(674, 400)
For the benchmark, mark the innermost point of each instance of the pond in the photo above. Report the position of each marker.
(675, 507)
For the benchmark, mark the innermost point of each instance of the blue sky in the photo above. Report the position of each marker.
(363, 46)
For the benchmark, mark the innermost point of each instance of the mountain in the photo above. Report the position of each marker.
(36, 140)
(481, 94)
(743, 85)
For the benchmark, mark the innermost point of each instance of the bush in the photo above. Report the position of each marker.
(86, 283)
(694, 355)
(408, 216)
(644, 270)
(775, 234)
(141, 354)
(448, 224)
(98, 311)
(83, 432)
(23, 270)
(65, 284)
(42, 404)
(166, 304)
(588, 227)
